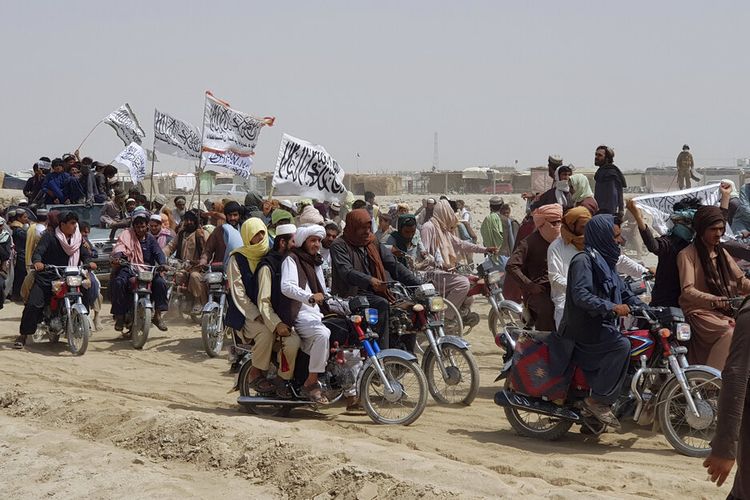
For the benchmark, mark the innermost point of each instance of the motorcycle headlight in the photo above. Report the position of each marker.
(74, 280)
(213, 278)
(426, 290)
(145, 275)
(494, 277)
(682, 332)
(56, 286)
(436, 304)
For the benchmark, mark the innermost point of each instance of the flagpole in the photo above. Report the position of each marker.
(153, 159)
(87, 135)
(199, 169)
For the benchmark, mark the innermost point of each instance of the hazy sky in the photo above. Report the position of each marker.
(499, 81)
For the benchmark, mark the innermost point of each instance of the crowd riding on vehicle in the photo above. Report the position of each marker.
(389, 383)
(212, 316)
(66, 314)
(660, 386)
(451, 370)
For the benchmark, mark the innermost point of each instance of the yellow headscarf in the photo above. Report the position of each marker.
(253, 253)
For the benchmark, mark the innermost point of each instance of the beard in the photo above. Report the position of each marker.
(600, 163)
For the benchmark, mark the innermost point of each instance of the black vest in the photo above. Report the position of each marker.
(236, 318)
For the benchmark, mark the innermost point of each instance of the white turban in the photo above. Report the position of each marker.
(304, 232)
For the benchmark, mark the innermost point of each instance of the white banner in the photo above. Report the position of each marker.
(659, 206)
(126, 125)
(307, 169)
(230, 136)
(133, 157)
(237, 164)
(175, 137)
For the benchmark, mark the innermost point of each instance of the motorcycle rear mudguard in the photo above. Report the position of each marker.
(247, 357)
(536, 405)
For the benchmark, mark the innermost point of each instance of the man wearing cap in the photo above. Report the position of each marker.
(278, 217)
(424, 213)
(188, 247)
(384, 228)
(685, 168)
(225, 238)
(137, 246)
(156, 228)
(303, 283)
(130, 205)
(159, 201)
(34, 184)
(289, 207)
(492, 225)
(179, 209)
(334, 213)
(113, 212)
(54, 183)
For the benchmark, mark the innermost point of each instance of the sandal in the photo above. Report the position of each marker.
(353, 405)
(283, 391)
(20, 342)
(314, 393)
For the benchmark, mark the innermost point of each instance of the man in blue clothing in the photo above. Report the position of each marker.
(54, 183)
(596, 297)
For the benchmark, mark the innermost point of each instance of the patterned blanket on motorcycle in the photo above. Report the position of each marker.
(530, 373)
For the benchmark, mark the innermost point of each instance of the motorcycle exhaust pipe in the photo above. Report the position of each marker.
(535, 405)
(258, 400)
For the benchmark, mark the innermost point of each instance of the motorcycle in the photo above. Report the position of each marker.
(212, 317)
(451, 370)
(660, 386)
(138, 318)
(66, 314)
(391, 386)
(180, 299)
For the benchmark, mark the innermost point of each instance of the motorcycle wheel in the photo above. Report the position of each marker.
(141, 325)
(498, 321)
(263, 410)
(212, 331)
(409, 399)
(455, 325)
(687, 434)
(534, 425)
(78, 340)
(462, 384)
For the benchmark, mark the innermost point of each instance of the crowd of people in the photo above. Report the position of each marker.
(563, 262)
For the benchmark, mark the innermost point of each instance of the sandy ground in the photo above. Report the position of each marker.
(118, 423)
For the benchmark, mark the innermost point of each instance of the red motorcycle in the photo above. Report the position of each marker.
(660, 385)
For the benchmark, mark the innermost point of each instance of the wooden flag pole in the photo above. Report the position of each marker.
(87, 135)
(199, 168)
(153, 159)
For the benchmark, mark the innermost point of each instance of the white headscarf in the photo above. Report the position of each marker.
(304, 232)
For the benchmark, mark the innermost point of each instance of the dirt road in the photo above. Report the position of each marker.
(119, 423)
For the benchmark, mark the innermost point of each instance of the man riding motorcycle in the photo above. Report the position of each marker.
(589, 333)
(303, 284)
(137, 246)
(58, 247)
(188, 246)
(359, 265)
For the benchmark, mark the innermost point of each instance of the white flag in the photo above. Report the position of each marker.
(307, 169)
(133, 157)
(230, 136)
(175, 137)
(126, 125)
(659, 206)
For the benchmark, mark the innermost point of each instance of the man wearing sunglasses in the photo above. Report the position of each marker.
(528, 265)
